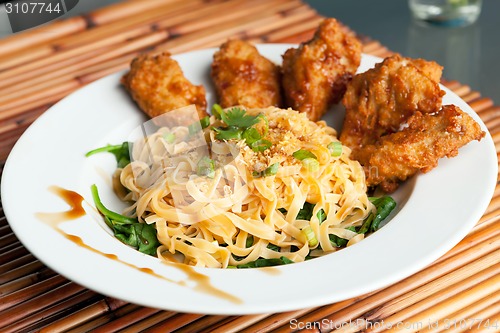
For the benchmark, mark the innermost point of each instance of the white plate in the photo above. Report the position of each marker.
(435, 211)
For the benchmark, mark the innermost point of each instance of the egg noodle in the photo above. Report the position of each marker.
(237, 212)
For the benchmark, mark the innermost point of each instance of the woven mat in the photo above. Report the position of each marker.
(39, 67)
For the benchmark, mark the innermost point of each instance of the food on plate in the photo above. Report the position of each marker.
(157, 84)
(267, 187)
(418, 147)
(381, 99)
(244, 77)
(316, 73)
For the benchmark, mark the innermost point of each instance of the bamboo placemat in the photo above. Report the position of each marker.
(39, 67)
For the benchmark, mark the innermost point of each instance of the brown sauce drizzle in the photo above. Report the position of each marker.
(75, 200)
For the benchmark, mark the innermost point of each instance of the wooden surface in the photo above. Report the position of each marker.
(39, 67)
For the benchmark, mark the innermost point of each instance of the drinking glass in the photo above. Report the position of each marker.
(446, 12)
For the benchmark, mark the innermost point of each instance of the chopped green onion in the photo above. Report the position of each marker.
(311, 237)
(335, 148)
(270, 171)
(205, 167)
(311, 164)
(169, 137)
(261, 145)
(217, 111)
(302, 154)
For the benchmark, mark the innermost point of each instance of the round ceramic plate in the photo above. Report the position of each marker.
(435, 211)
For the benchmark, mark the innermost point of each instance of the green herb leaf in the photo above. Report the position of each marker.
(205, 167)
(121, 153)
(238, 117)
(385, 205)
(302, 154)
(273, 247)
(337, 241)
(228, 133)
(261, 262)
(128, 230)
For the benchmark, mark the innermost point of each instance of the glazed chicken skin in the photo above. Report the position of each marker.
(418, 147)
(315, 74)
(158, 85)
(379, 100)
(244, 77)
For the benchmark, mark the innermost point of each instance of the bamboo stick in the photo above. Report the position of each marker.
(88, 40)
(119, 11)
(175, 322)
(12, 254)
(474, 311)
(424, 276)
(279, 34)
(85, 314)
(422, 298)
(481, 104)
(202, 323)
(492, 321)
(472, 96)
(33, 290)
(148, 322)
(274, 321)
(15, 263)
(452, 85)
(239, 323)
(20, 271)
(476, 238)
(450, 305)
(189, 25)
(226, 29)
(83, 61)
(38, 303)
(490, 113)
(25, 281)
(5, 229)
(78, 53)
(43, 34)
(7, 240)
(132, 317)
(462, 90)
(11, 246)
(37, 320)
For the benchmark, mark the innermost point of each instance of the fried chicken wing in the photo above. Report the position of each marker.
(379, 100)
(418, 147)
(244, 77)
(315, 74)
(158, 85)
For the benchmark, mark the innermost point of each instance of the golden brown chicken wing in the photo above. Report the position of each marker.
(158, 85)
(418, 147)
(244, 77)
(315, 75)
(379, 100)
